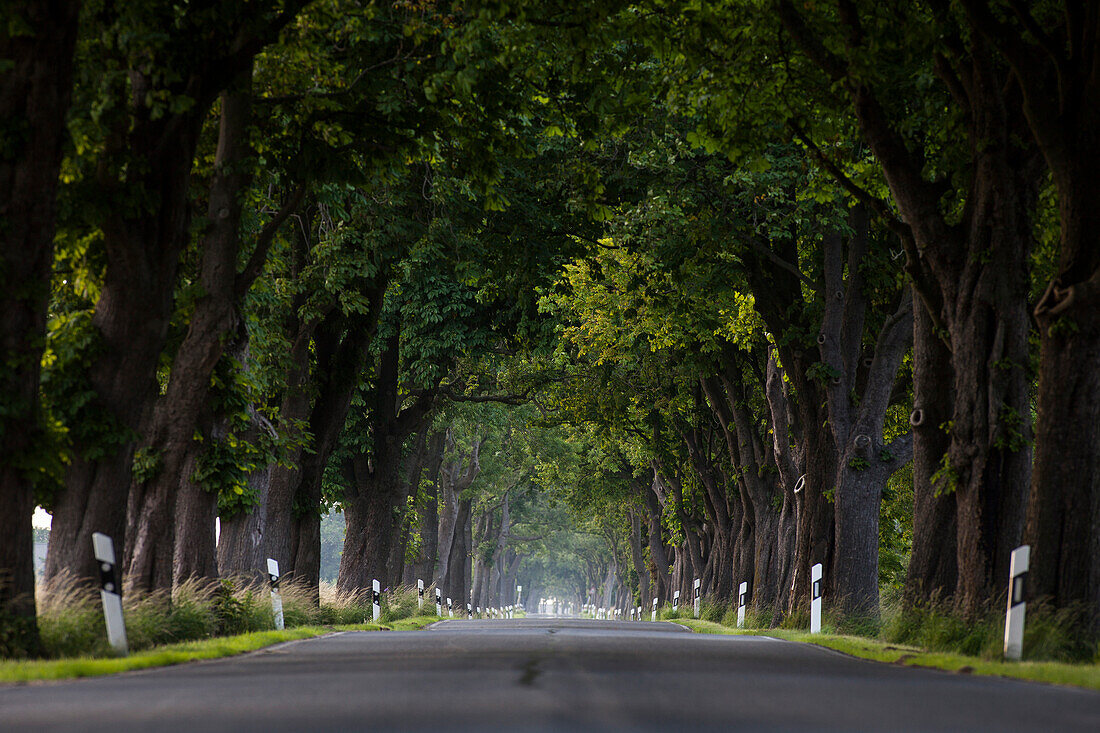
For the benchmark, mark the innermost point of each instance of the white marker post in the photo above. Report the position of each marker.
(742, 599)
(469, 612)
(276, 596)
(696, 593)
(653, 616)
(376, 600)
(438, 603)
(420, 594)
(816, 592)
(676, 601)
(110, 592)
(1017, 602)
(450, 608)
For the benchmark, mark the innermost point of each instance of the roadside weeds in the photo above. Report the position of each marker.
(1059, 673)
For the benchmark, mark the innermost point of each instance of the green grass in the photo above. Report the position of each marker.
(1061, 673)
(162, 656)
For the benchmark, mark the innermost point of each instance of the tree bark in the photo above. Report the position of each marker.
(972, 277)
(148, 157)
(429, 518)
(241, 545)
(658, 556)
(153, 514)
(933, 569)
(35, 91)
(858, 397)
(1056, 68)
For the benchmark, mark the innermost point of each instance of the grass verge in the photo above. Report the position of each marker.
(1059, 673)
(22, 671)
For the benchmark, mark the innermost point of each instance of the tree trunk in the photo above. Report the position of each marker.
(177, 415)
(1061, 89)
(858, 397)
(458, 562)
(148, 158)
(658, 557)
(972, 277)
(1063, 523)
(933, 568)
(644, 593)
(131, 316)
(241, 544)
(369, 518)
(429, 518)
(35, 90)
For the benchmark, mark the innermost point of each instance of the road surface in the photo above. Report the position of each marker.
(545, 675)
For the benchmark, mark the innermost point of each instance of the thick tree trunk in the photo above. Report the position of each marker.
(35, 90)
(196, 549)
(369, 528)
(241, 544)
(1061, 101)
(148, 158)
(1063, 523)
(933, 565)
(458, 562)
(131, 316)
(658, 557)
(972, 276)
(859, 395)
(177, 415)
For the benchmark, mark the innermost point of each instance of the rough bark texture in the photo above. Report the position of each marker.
(375, 487)
(933, 568)
(154, 556)
(148, 157)
(774, 288)
(241, 544)
(645, 593)
(1058, 68)
(658, 554)
(34, 96)
(858, 396)
(972, 277)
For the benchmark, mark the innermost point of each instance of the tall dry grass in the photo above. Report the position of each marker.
(70, 614)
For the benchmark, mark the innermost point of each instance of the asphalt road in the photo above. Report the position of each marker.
(545, 675)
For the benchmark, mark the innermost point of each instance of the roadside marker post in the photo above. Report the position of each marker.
(695, 592)
(1017, 602)
(450, 608)
(815, 599)
(676, 601)
(110, 592)
(742, 598)
(420, 594)
(276, 596)
(438, 603)
(639, 613)
(469, 612)
(654, 615)
(519, 595)
(376, 600)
